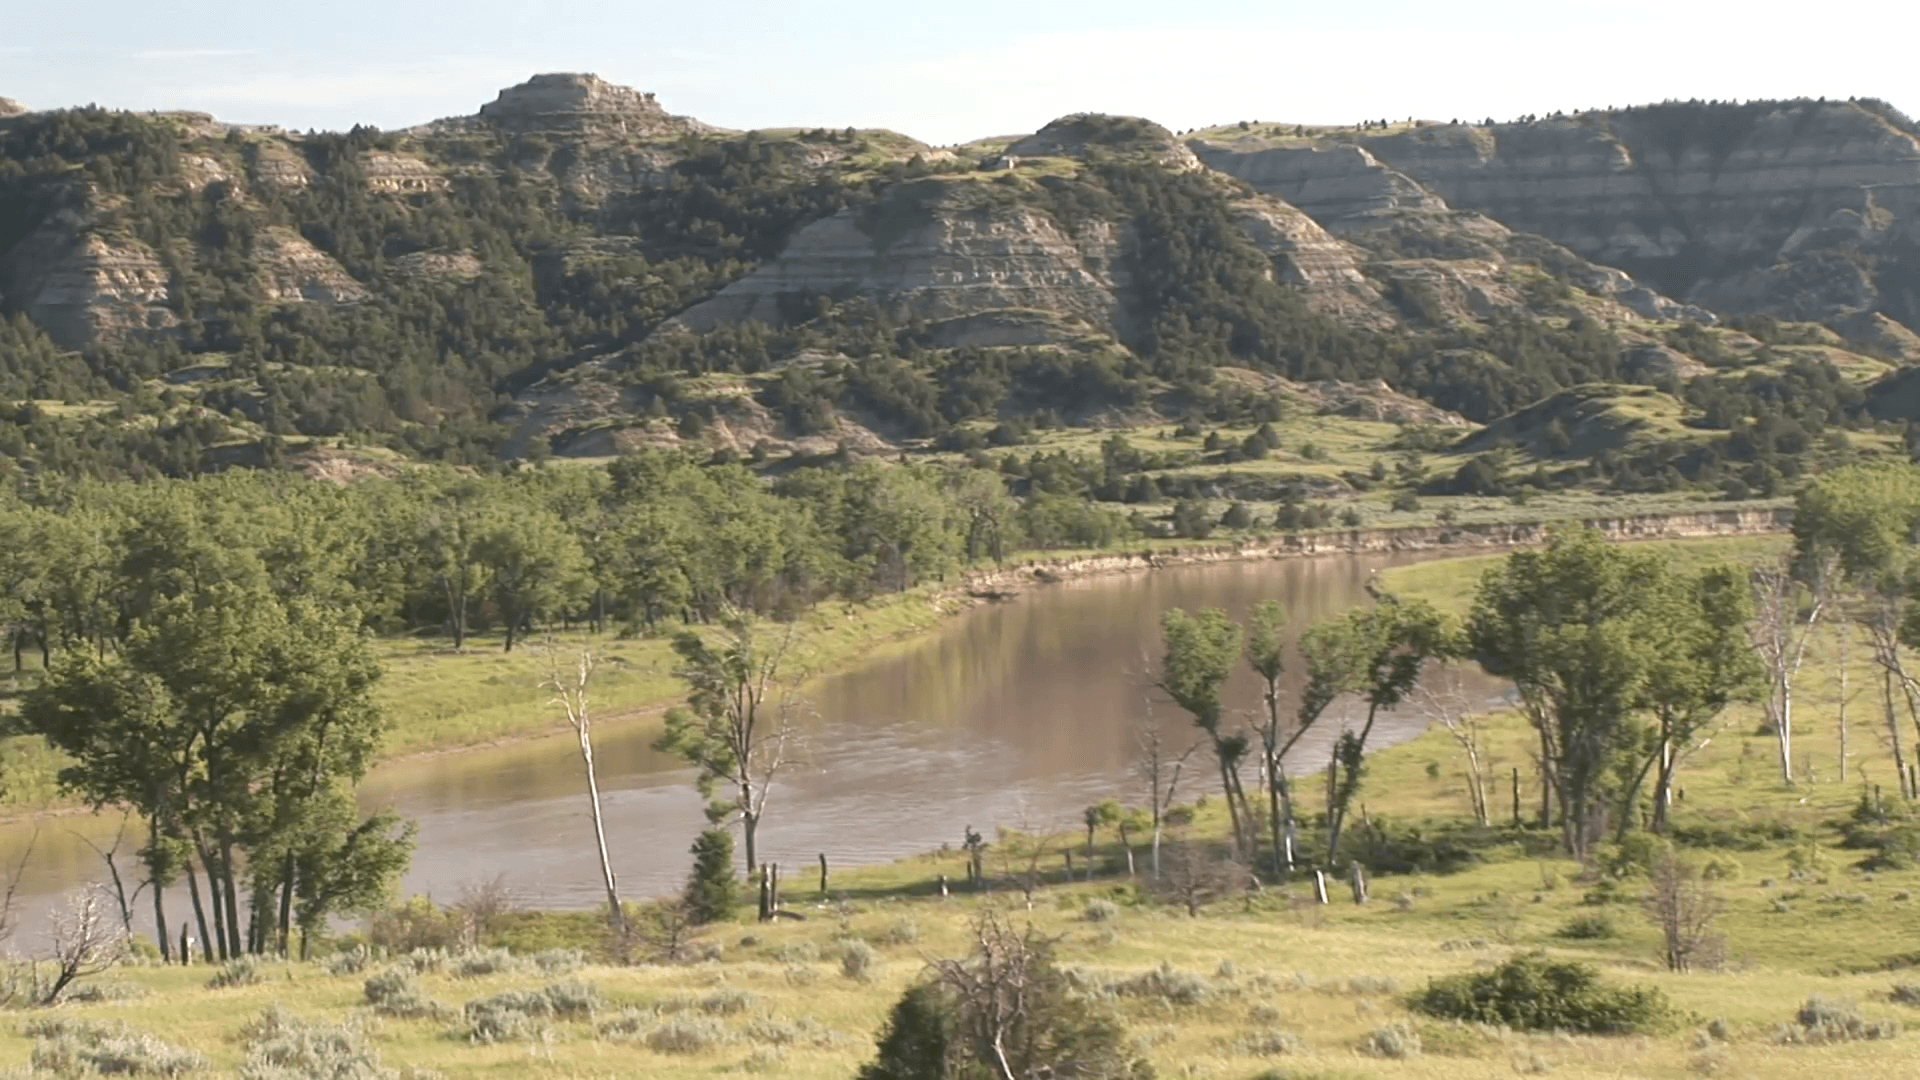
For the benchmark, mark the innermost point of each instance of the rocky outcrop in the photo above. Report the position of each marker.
(85, 289)
(289, 269)
(937, 249)
(400, 174)
(564, 101)
(1341, 186)
(436, 266)
(273, 163)
(1306, 255)
(1767, 206)
(10, 107)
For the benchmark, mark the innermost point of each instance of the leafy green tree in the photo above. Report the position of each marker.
(1570, 626)
(1200, 651)
(534, 564)
(1377, 654)
(230, 720)
(738, 725)
(1702, 664)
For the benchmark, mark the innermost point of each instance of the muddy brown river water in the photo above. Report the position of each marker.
(1018, 711)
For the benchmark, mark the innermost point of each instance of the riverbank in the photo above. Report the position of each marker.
(443, 701)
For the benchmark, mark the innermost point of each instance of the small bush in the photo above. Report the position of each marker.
(796, 952)
(240, 971)
(766, 1059)
(1396, 1040)
(480, 963)
(1264, 1015)
(1586, 928)
(1269, 1042)
(781, 1032)
(1721, 868)
(281, 1046)
(551, 962)
(713, 888)
(394, 993)
(1371, 985)
(1166, 984)
(901, 932)
(84, 1048)
(350, 961)
(426, 961)
(686, 1035)
(96, 992)
(1825, 1020)
(629, 1024)
(1099, 911)
(510, 1015)
(572, 999)
(727, 1003)
(1534, 993)
(1905, 993)
(856, 960)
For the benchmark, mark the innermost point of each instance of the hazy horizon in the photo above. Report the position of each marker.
(946, 76)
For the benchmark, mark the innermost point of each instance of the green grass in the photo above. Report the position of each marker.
(1331, 974)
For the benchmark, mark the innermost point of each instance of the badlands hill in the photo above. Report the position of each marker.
(576, 269)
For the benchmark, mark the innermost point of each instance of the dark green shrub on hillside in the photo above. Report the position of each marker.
(1535, 993)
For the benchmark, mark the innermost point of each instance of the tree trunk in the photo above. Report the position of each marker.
(513, 624)
(749, 824)
(232, 900)
(1233, 806)
(285, 922)
(1282, 865)
(159, 902)
(1783, 724)
(615, 915)
(1893, 728)
(1846, 631)
(199, 916)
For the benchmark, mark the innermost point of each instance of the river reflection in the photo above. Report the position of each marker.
(1019, 711)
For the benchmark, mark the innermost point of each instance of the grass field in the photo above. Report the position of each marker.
(775, 1000)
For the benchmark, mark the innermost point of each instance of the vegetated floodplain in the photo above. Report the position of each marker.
(1263, 982)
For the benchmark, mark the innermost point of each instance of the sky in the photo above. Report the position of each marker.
(952, 72)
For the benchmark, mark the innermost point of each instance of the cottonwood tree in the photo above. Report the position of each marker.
(1376, 654)
(1200, 653)
(235, 724)
(1568, 624)
(1160, 767)
(739, 726)
(1701, 663)
(570, 692)
(1279, 731)
(1863, 520)
(1780, 631)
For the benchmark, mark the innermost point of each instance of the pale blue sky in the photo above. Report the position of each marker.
(953, 71)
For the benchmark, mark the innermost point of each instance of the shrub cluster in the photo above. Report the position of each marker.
(64, 1047)
(1824, 1020)
(1534, 993)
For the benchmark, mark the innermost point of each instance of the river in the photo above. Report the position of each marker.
(1020, 711)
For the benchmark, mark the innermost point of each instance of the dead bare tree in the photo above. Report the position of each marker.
(1198, 875)
(570, 693)
(1684, 908)
(1780, 631)
(1881, 618)
(996, 988)
(107, 855)
(1022, 849)
(1445, 701)
(481, 904)
(86, 941)
(8, 923)
(1844, 694)
(1160, 768)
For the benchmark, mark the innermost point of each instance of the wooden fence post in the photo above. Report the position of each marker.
(823, 875)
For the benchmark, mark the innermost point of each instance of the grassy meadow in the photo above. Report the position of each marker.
(1261, 984)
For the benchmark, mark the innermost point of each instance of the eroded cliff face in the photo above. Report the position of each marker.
(1805, 210)
(983, 266)
(86, 288)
